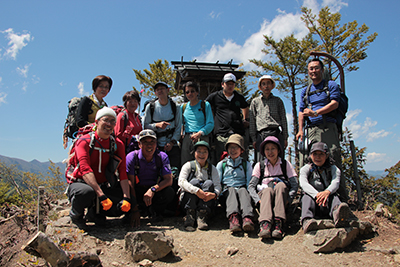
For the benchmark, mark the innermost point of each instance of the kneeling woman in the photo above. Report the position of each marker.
(273, 185)
(200, 186)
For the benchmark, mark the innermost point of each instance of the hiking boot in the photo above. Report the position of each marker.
(265, 229)
(98, 219)
(309, 225)
(278, 232)
(234, 224)
(202, 220)
(188, 220)
(79, 222)
(341, 214)
(248, 225)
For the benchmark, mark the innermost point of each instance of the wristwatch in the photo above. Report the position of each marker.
(315, 113)
(153, 189)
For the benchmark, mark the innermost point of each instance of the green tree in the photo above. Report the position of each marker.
(159, 71)
(288, 67)
(347, 164)
(345, 42)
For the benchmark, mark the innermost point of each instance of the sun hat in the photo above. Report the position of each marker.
(201, 143)
(319, 146)
(269, 139)
(235, 139)
(265, 77)
(160, 83)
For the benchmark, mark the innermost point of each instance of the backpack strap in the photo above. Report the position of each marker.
(192, 170)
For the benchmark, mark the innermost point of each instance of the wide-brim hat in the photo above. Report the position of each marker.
(269, 139)
(235, 139)
(265, 77)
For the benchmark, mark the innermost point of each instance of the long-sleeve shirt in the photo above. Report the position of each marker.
(270, 172)
(97, 160)
(194, 120)
(164, 113)
(234, 175)
(200, 174)
(267, 113)
(313, 185)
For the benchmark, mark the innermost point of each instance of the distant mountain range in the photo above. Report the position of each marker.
(33, 166)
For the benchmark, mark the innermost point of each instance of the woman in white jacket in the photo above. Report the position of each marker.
(200, 186)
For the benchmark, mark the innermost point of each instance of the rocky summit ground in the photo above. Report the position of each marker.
(215, 247)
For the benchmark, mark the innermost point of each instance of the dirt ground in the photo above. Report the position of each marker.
(201, 248)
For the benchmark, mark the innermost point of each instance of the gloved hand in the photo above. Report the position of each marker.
(105, 202)
(124, 204)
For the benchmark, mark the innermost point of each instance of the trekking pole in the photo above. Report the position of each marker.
(337, 63)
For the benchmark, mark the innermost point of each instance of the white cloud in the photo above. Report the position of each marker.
(16, 42)
(35, 79)
(375, 135)
(24, 70)
(81, 89)
(2, 97)
(214, 15)
(363, 129)
(375, 157)
(282, 25)
(62, 83)
(24, 86)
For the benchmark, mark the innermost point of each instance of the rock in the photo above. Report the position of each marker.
(325, 224)
(149, 245)
(230, 251)
(330, 239)
(145, 263)
(379, 210)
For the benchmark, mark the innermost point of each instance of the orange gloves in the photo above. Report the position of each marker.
(105, 202)
(125, 204)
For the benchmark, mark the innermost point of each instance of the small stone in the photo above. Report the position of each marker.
(145, 263)
(230, 251)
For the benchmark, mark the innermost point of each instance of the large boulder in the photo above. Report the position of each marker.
(149, 245)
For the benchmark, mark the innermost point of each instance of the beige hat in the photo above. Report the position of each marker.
(264, 77)
(235, 139)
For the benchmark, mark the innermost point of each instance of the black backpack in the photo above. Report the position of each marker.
(339, 114)
(71, 126)
(152, 104)
(284, 173)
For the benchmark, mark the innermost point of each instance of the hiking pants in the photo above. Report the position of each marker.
(328, 134)
(238, 200)
(192, 201)
(310, 209)
(82, 195)
(160, 201)
(273, 202)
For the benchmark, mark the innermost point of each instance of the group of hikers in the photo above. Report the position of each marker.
(194, 156)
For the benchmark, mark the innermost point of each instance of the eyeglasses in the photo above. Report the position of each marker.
(112, 122)
(104, 87)
(190, 92)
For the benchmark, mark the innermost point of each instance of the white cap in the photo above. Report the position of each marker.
(266, 77)
(106, 111)
(229, 77)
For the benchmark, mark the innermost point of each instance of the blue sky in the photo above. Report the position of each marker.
(51, 50)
